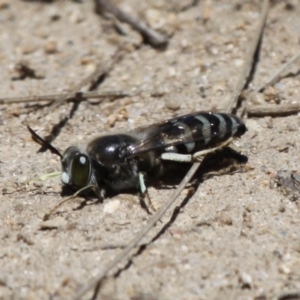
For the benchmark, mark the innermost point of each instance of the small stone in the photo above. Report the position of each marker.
(155, 18)
(173, 102)
(112, 120)
(76, 17)
(271, 95)
(28, 48)
(225, 219)
(111, 206)
(256, 99)
(282, 208)
(50, 47)
(284, 269)
(253, 125)
(245, 280)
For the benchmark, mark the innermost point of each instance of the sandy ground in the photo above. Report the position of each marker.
(236, 238)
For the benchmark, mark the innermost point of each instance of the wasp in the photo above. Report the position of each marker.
(118, 162)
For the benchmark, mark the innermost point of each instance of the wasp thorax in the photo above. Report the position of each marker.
(76, 168)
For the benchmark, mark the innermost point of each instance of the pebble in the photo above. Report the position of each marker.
(224, 218)
(50, 47)
(271, 95)
(245, 280)
(173, 102)
(76, 16)
(28, 48)
(112, 120)
(256, 99)
(155, 18)
(111, 206)
(284, 269)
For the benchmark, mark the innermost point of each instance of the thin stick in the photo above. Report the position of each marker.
(153, 37)
(273, 110)
(100, 70)
(48, 215)
(43, 177)
(141, 234)
(124, 254)
(249, 56)
(56, 97)
(276, 77)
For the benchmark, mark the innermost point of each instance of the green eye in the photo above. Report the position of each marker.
(80, 170)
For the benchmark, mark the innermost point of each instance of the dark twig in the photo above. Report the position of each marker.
(55, 97)
(249, 57)
(273, 110)
(124, 254)
(151, 36)
(101, 70)
(289, 296)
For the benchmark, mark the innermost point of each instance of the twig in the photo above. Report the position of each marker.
(274, 78)
(160, 213)
(289, 296)
(100, 71)
(141, 234)
(249, 56)
(151, 36)
(56, 97)
(273, 110)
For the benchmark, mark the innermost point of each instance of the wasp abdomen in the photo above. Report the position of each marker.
(201, 131)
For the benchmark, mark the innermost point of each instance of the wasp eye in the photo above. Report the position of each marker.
(80, 170)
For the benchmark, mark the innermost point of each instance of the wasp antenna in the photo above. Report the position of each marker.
(43, 143)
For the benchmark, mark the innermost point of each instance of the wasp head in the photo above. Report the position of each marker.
(76, 168)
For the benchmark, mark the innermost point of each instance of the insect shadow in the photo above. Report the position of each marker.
(223, 159)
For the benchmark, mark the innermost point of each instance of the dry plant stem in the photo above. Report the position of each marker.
(141, 234)
(124, 254)
(153, 37)
(55, 97)
(100, 70)
(48, 215)
(249, 57)
(276, 77)
(273, 110)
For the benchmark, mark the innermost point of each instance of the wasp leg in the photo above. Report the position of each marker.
(144, 194)
(193, 157)
(177, 157)
(201, 153)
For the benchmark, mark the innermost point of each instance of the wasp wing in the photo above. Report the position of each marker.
(204, 128)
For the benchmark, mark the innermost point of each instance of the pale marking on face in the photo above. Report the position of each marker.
(65, 178)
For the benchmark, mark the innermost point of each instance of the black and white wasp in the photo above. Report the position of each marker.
(118, 162)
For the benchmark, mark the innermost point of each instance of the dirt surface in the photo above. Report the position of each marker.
(236, 238)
